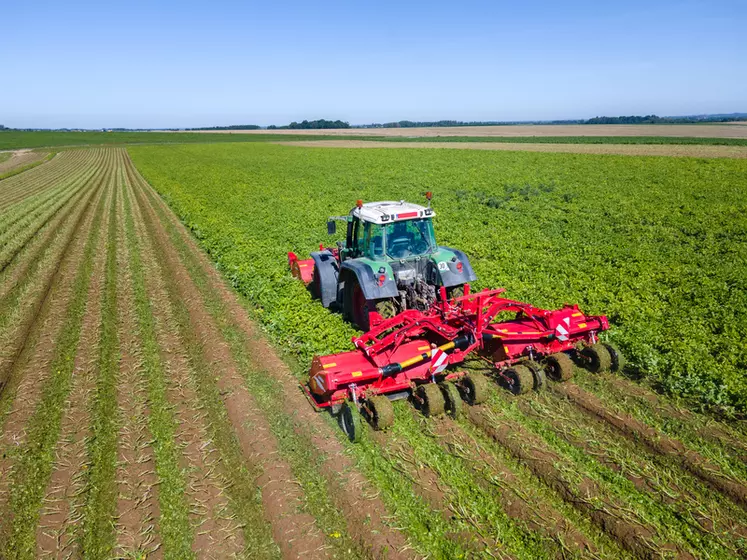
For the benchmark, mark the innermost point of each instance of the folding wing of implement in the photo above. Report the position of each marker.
(411, 354)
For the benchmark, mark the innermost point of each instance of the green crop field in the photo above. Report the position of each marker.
(658, 244)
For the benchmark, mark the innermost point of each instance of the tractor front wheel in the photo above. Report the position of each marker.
(351, 422)
(432, 402)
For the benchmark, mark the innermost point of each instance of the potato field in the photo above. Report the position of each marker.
(152, 343)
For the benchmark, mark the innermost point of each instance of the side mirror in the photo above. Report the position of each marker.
(331, 227)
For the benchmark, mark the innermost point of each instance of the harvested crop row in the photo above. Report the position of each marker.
(35, 182)
(33, 461)
(348, 489)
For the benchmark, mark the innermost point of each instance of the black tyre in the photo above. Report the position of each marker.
(596, 358)
(455, 292)
(381, 412)
(316, 285)
(538, 372)
(520, 379)
(475, 388)
(559, 367)
(351, 422)
(386, 308)
(617, 359)
(452, 398)
(356, 306)
(432, 402)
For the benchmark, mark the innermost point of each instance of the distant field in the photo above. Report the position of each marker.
(631, 149)
(10, 140)
(674, 130)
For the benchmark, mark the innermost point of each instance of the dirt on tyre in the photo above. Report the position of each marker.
(431, 399)
(596, 358)
(538, 372)
(381, 412)
(452, 399)
(617, 359)
(520, 379)
(559, 367)
(475, 388)
(351, 421)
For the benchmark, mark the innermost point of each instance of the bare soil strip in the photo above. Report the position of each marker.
(578, 490)
(217, 530)
(609, 149)
(657, 442)
(62, 505)
(137, 503)
(351, 492)
(20, 158)
(293, 531)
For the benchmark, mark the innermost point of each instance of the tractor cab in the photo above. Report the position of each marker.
(388, 231)
(389, 263)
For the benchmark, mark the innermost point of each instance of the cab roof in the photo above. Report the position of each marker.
(390, 211)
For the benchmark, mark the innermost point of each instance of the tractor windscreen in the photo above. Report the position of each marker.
(400, 240)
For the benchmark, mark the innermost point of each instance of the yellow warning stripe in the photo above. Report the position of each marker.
(582, 325)
(424, 347)
(357, 373)
(329, 365)
(577, 315)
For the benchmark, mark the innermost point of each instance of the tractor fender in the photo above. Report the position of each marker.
(451, 276)
(367, 278)
(325, 264)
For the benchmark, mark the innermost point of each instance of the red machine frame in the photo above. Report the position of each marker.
(394, 356)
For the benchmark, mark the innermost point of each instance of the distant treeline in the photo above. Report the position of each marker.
(317, 124)
(654, 119)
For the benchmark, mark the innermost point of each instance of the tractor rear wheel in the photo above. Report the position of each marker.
(351, 422)
(432, 402)
(596, 358)
(316, 285)
(520, 378)
(559, 367)
(386, 308)
(475, 388)
(359, 307)
(452, 398)
(455, 292)
(617, 360)
(381, 412)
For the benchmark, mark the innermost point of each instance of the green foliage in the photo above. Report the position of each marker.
(658, 244)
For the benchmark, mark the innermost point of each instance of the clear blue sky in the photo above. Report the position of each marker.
(180, 64)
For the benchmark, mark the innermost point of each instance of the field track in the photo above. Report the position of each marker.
(144, 414)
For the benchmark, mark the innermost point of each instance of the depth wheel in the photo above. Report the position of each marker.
(382, 412)
(475, 387)
(351, 422)
(617, 359)
(559, 367)
(452, 398)
(538, 372)
(596, 358)
(521, 379)
(432, 402)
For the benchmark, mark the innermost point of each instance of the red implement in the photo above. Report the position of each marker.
(395, 355)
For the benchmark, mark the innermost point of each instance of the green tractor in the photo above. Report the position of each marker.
(388, 263)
